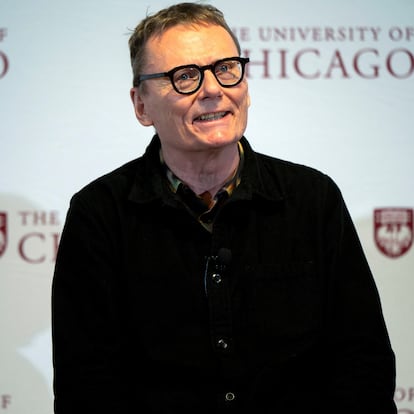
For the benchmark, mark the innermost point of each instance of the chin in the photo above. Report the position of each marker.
(221, 140)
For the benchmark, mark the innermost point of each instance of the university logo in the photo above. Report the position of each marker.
(3, 232)
(393, 230)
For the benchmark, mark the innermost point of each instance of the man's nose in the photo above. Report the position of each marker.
(210, 83)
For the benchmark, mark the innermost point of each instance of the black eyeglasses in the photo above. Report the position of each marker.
(187, 79)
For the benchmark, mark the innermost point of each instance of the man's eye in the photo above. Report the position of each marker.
(188, 74)
(224, 67)
(184, 76)
(229, 66)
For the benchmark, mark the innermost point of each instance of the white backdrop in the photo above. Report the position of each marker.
(332, 86)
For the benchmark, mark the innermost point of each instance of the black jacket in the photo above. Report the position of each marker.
(275, 311)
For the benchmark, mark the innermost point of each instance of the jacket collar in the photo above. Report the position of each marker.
(257, 182)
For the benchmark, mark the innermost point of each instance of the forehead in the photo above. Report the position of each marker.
(186, 44)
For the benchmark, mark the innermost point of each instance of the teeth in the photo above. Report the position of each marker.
(211, 117)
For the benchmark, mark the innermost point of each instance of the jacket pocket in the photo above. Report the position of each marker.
(286, 299)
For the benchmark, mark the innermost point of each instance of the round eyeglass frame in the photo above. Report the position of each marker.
(201, 69)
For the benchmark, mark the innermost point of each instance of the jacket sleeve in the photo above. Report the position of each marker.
(362, 363)
(87, 344)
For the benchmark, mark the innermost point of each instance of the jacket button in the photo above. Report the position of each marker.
(222, 344)
(229, 396)
(216, 278)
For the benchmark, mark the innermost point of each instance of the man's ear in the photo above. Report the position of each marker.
(139, 107)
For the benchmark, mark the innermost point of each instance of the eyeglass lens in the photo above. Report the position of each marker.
(227, 73)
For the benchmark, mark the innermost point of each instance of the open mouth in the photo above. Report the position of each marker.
(214, 116)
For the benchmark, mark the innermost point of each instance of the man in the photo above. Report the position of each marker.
(204, 277)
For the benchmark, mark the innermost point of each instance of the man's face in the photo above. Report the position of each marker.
(178, 118)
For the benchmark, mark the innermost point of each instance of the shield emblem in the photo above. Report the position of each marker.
(3, 232)
(393, 230)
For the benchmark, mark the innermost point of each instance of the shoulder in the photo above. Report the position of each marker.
(108, 191)
(138, 175)
(289, 168)
(266, 164)
(118, 180)
(304, 189)
(287, 178)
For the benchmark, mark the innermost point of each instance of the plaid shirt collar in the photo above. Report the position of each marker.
(203, 206)
(228, 187)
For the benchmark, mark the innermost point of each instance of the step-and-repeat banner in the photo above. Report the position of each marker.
(332, 86)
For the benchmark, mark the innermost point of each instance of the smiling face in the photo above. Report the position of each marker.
(210, 118)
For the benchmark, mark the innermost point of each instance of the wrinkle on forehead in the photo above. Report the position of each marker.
(186, 44)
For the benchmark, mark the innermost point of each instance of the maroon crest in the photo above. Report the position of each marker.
(3, 232)
(393, 230)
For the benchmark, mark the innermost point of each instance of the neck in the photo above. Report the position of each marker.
(206, 170)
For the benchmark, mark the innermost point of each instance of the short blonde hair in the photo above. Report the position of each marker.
(155, 25)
